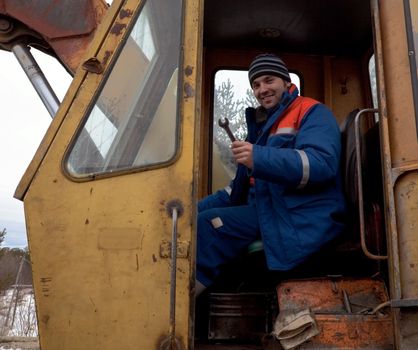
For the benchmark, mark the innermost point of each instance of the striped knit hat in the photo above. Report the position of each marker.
(268, 64)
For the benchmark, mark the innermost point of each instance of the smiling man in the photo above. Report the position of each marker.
(287, 189)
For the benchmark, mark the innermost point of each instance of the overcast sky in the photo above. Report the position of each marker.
(24, 121)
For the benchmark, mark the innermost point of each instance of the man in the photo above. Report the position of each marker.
(287, 188)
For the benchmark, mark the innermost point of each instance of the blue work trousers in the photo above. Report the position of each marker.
(223, 232)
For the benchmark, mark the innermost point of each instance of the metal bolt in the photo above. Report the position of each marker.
(5, 25)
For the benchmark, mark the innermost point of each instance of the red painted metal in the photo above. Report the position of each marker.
(67, 26)
(327, 294)
(353, 332)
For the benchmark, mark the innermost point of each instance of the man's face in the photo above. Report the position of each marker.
(268, 90)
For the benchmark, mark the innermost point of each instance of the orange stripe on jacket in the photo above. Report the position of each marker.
(294, 114)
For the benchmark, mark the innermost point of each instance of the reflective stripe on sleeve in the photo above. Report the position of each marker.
(305, 169)
(291, 131)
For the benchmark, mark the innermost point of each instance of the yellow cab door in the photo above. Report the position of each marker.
(109, 194)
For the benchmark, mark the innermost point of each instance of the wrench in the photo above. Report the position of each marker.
(224, 123)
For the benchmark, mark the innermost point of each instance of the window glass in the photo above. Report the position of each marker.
(232, 95)
(137, 106)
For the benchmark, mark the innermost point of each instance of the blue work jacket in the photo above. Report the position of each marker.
(297, 187)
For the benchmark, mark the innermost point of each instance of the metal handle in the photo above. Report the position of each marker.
(172, 343)
(360, 185)
(173, 276)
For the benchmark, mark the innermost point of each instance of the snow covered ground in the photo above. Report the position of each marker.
(18, 325)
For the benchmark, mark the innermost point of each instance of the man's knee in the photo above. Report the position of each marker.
(219, 199)
(209, 219)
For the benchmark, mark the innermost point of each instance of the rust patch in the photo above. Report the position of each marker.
(154, 258)
(188, 90)
(55, 181)
(106, 57)
(125, 13)
(117, 28)
(188, 71)
(162, 208)
(45, 319)
(183, 249)
(86, 222)
(46, 285)
(91, 190)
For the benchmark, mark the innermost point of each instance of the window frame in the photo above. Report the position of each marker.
(65, 165)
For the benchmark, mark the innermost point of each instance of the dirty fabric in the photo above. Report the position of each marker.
(293, 328)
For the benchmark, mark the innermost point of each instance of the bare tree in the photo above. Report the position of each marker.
(17, 309)
(250, 99)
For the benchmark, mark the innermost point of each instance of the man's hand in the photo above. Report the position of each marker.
(243, 153)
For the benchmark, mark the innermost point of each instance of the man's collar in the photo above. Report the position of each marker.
(288, 96)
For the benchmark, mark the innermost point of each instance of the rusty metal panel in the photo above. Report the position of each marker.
(56, 19)
(353, 332)
(332, 295)
(350, 313)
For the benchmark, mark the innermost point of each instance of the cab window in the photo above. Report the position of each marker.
(134, 123)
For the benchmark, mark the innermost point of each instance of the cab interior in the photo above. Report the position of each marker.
(329, 45)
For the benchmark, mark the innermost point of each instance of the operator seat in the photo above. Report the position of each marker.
(372, 191)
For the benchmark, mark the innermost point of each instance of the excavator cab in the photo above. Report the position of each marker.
(110, 196)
